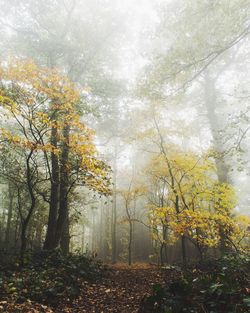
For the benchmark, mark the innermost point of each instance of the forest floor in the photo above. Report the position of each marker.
(121, 290)
(221, 286)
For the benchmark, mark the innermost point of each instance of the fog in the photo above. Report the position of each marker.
(164, 86)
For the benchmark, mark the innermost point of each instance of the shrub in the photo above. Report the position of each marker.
(49, 277)
(215, 286)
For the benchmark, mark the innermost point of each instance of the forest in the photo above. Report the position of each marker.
(124, 156)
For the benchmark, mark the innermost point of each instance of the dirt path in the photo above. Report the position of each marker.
(121, 291)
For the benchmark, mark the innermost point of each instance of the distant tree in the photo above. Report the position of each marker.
(129, 197)
(198, 61)
(195, 206)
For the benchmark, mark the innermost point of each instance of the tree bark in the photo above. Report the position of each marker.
(164, 246)
(26, 220)
(54, 195)
(183, 241)
(65, 240)
(9, 217)
(130, 239)
(215, 126)
(220, 162)
(114, 212)
(64, 187)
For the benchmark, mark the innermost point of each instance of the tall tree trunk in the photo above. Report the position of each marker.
(26, 220)
(161, 254)
(54, 195)
(16, 232)
(102, 232)
(82, 238)
(164, 245)
(23, 246)
(114, 211)
(183, 241)
(38, 239)
(114, 221)
(9, 217)
(183, 250)
(108, 235)
(65, 240)
(113, 231)
(130, 241)
(215, 126)
(64, 187)
(2, 228)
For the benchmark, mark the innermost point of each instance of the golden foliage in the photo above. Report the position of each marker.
(193, 202)
(36, 100)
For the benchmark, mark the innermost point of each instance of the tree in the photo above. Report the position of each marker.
(80, 38)
(205, 206)
(129, 197)
(191, 50)
(30, 96)
(194, 67)
(200, 57)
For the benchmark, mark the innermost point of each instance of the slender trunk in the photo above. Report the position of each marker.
(108, 235)
(2, 231)
(161, 254)
(130, 242)
(183, 250)
(23, 242)
(83, 238)
(9, 217)
(26, 220)
(54, 195)
(113, 231)
(102, 233)
(93, 235)
(65, 240)
(64, 187)
(215, 125)
(114, 211)
(177, 208)
(39, 231)
(16, 234)
(164, 247)
(183, 241)
(198, 245)
(130, 234)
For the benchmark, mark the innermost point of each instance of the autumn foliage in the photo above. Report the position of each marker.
(192, 203)
(43, 137)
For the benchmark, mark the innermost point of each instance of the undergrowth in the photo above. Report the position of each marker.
(47, 277)
(216, 286)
